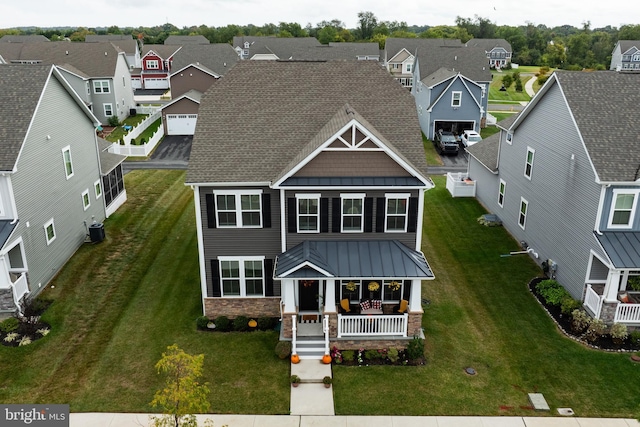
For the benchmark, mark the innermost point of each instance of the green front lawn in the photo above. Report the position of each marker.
(120, 303)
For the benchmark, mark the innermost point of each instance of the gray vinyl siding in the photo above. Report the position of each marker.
(409, 239)
(42, 191)
(78, 84)
(562, 194)
(616, 57)
(486, 187)
(468, 110)
(122, 91)
(240, 241)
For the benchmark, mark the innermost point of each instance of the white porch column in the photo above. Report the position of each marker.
(288, 295)
(611, 288)
(330, 296)
(415, 298)
(5, 279)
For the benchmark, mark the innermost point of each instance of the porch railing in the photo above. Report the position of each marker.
(593, 301)
(372, 325)
(294, 332)
(459, 185)
(627, 313)
(325, 330)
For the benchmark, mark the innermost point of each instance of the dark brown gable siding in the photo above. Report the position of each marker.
(352, 163)
(188, 79)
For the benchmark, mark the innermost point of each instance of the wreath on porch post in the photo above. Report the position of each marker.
(308, 283)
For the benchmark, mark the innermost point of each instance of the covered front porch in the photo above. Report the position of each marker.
(613, 290)
(350, 292)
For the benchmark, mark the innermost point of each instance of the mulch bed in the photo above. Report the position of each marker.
(564, 324)
(30, 326)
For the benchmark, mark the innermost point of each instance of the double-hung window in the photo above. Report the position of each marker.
(502, 188)
(108, 110)
(152, 64)
(242, 277)
(352, 213)
(456, 98)
(396, 213)
(239, 208)
(509, 138)
(623, 208)
(528, 165)
(522, 216)
(86, 201)
(308, 213)
(49, 231)
(101, 86)
(68, 165)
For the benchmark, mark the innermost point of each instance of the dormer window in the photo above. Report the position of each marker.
(246, 45)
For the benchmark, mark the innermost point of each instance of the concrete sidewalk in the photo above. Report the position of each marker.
(137, 420)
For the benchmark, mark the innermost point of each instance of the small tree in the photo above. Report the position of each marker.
(183, 394)
(507, 80)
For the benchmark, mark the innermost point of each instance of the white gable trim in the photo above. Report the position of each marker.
(399, 52)
(305, 264)
(199, 67)
(371, 137)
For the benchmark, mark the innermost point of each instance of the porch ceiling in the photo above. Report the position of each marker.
(352, 259)
(622, 248)
(6, 228)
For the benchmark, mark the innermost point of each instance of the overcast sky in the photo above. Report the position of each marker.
(217, 13)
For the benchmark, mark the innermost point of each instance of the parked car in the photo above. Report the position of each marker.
(446, 142)
(470, 137)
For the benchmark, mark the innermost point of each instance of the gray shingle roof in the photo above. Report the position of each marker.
(625, 45)
(20, 90)
(393, 45)
(124, 41)
(488, 44)
(282, 47)
(486, 152)
(263, 114)
(32, 38)
(108, 161)
(471, 62)
(89, 58)
(348, 51)
(218, 57)
(184, 40)
(605, 106)
(381, 259)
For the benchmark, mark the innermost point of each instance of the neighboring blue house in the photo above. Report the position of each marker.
(450, 89)
(498, 51)
(626, 55)
(564, 178)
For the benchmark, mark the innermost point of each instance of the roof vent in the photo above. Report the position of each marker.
(105, 54)
(66, 52)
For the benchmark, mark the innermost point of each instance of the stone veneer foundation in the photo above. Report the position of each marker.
(234, 307)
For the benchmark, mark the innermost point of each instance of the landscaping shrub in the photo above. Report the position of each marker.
(113, 121)
(552, 292)
(569, 304)
(9, 325)
(545, 69)
(580, 320)
(393, 355)
(415, 349)
(635, 338)
(518, 85)
(595, 330)
(542, 79)
(283, 349)
(348, 355)
(372, 354)
(619, 331)
(241, 324)
(266, 323)
(202, 322)
(223, 324)
(507, 80)
(36, 306)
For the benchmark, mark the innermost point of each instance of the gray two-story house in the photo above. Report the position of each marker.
(498, 51)
(98, 72)
(308, 180)
(450, 88)
(51, 178)
(626, 56)
(563, 178)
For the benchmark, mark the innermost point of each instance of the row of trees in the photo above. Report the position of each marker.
(562, 47)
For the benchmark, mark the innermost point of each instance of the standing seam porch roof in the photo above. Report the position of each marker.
(622, 248)
(353, 259)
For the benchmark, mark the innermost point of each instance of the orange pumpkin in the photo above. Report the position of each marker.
(295, 358)
(326, 359)
(253, 323)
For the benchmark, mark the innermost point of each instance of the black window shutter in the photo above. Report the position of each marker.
(380, 206)
(368, 214)
(413, 215)
(324, 215)
(291, 213)
(211, 211)
(335, 217)
(268, 277)
(266, 210)
(215, 278)
(406, 292)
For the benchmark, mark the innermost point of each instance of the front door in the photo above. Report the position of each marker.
(308, 295)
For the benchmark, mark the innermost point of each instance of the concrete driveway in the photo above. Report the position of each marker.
(172, 153)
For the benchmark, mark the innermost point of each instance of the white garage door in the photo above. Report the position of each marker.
(156, 83)
(181, 124)
(136, 83)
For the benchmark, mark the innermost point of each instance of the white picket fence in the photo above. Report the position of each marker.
(148, 109)
(140, 150)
